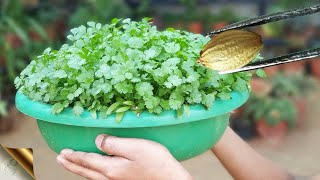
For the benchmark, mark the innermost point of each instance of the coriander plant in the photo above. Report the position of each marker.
(126, 65)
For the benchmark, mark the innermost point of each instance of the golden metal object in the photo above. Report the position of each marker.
(24, 157)
(230, 50)
(265, 19)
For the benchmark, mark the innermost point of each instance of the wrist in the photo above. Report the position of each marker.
(223, 139)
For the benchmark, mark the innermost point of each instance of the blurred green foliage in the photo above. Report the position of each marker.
(293, 85)
(21, 38)
(271, 110)
(99, 11)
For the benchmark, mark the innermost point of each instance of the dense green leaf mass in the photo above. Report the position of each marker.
(126, 65)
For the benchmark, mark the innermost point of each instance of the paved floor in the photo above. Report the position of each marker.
(299, 153)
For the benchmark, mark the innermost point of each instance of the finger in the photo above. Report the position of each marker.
(91, 161)
(79, 170)
(128, 148)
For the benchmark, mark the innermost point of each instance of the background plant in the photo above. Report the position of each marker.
(293, 85)
(17, 46)
(270, 110)
(100, 11)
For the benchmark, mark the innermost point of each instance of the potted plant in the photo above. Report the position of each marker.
(260, 86)
(128, 79)
(19, 34)
(272, 116)
(271, 71)
(315, 67)
(295, 87)
(195, 27)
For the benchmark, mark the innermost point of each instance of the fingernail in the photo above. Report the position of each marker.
(99, 140)
(60, 159)
(65, 152)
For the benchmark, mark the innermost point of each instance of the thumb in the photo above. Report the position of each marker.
(128, 148)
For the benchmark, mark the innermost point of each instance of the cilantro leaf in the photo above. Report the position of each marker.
(261, 73)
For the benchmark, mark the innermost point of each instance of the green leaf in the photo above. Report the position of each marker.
(70, 97)
(78, 110)
(180, 112)
(172, 47)
(224, 95)
(129, 103)
(170, 29)
(93, 114)
(174, 81)
(187, 110)
(123, 109)
(176, 103)
(103, 112)
(71, 37)
(261, 73)
(78, 92)
(152, 102)
(119, 116)
(57, 108)
(113, 107)
(115, 20)
(98, 26)
(135, 42)
(92, 24)
(150, 53)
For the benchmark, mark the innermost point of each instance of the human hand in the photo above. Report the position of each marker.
(131, 159)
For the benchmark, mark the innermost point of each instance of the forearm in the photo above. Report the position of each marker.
(242, 162)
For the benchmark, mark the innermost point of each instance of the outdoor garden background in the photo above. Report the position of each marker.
(281, 119)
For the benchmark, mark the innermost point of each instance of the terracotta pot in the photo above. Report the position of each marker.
(315, 67)
(51, 32)
(34, 36)
(13, 40)
(265, 130)
(195, 27)
(56, 30)
(219, 25)
(292, 68)
(237, 112)
(260, 86)
(301, 105)
(2, 60)
(271, 71)
(60, 28)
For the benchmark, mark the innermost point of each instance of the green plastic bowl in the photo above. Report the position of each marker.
(185, 137)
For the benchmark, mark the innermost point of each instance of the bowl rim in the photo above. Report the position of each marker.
(42, 111)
